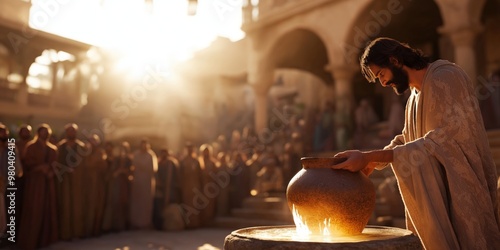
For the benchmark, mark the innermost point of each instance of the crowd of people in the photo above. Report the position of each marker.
(80, 187)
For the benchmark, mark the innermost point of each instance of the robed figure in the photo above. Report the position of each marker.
(444, 145)
(70, 181)
(117, 202)
(94, 189)
(167, 188)
(208, 165)
(144, 164)
(39, 227)
(191, 188)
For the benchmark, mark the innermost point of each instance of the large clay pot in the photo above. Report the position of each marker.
(330, 201)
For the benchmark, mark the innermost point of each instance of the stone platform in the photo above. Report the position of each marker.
(284, 238)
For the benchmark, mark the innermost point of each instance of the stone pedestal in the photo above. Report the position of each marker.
(281, 238)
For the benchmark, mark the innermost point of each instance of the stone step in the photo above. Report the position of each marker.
(493, 133)
(494, 142)
(236, 223)
(496, 160)
(390, 221)
(276, 203)
(495, 151)
(264, 214)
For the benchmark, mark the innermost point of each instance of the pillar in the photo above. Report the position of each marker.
(261, 97)
(22, 94)
(464, 42)
(344, 102)
(260, 76)
(22, 65)
(462, 24)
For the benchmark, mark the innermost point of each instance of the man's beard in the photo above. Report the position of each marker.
(399, 79)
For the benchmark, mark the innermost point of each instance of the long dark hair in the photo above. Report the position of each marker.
(380, 50)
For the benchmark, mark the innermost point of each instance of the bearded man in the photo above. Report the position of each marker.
(442, 160)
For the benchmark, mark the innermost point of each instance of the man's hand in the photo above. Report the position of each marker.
(363, 161)
(356, 161)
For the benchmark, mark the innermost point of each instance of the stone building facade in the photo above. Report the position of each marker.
(325, 38)
(43, 77)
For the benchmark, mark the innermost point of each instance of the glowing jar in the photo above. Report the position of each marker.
(326, 201)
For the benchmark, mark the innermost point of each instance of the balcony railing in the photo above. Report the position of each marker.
(25, 97)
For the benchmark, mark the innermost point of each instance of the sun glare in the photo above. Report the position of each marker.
(143, 32)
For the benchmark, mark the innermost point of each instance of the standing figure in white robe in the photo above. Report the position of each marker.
(442, 160)
(144, 165)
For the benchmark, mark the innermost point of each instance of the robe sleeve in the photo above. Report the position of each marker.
(445, 177)
(398, 140)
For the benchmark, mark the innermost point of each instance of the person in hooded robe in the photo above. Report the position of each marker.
(39, 226)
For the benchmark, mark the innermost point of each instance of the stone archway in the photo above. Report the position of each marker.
(302, 49)
(399, 20)
(294, 48)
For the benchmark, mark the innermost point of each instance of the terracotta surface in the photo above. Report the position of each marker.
(335, 201)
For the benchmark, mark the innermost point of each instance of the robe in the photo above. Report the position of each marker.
(94, 190)
(69, 187)
(239, 186)
(142, 189)
(211, 189)
(191, 188)
(39, 226)
(112, 192)
(121, 218)
(443, 164)
(167, 189)
(116, 213)
(223, 181)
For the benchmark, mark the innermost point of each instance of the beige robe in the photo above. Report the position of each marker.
(443, 164)
(192, 181)
(69, 186)
(94, 190)
(39, 226)
(142, 189)
(208, 169)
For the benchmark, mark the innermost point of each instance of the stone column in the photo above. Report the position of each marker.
(464, 42)
(344, 102)
(260, 76)
(54, 92)
(261, 96)
(22, 94)
(462, 24)
(22, 65)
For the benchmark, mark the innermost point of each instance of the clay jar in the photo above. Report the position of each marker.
(330, 201)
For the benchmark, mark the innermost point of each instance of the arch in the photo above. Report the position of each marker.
(400, 20)
(303, 49)
(41, 72)
(396, 19)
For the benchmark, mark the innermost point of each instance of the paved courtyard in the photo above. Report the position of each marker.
(203, 239)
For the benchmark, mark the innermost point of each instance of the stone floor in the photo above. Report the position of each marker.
(202, 239)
